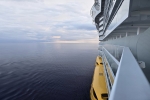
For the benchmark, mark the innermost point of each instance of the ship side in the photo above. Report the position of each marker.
(123, 27)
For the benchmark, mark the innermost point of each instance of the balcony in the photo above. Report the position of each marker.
(96, 9)
(128, 18)
(101, 23)
(109, 6)
(100, 33)
(101, 18)
(121, 14)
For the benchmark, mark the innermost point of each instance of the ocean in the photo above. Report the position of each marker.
(46, 71)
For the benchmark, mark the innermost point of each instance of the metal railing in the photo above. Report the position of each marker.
(109, 73)
(129, 82)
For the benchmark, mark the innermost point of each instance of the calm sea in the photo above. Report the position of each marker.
(46, 71)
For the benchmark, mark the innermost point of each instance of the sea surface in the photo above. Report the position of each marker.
(46, 71)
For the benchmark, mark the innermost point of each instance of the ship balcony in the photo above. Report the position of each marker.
(101, 23)
(101, 28)
(130, 18)
(101, 18)
(101, 37)
(100, 33)
(110, 7)
(95, 10)
(121, 15)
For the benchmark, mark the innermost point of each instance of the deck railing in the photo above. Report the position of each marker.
(129, 82)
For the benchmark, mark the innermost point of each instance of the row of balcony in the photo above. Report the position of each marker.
(114, 13)
(121, 14)
(121, 18)
(105, 7)
(96, 9)
(109, 5)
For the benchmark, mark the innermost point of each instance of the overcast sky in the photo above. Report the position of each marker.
(46, 21)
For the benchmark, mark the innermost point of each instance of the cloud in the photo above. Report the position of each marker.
(56, 37)
(46, 20)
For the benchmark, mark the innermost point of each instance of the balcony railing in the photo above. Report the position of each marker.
(129, 82)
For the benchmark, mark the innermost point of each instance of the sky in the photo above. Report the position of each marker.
(53, 21)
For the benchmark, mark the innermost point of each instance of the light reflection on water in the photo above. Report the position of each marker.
(45, 71)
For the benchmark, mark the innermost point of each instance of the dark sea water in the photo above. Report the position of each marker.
(46, 71)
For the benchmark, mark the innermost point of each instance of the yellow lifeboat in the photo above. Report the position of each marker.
(99, 88)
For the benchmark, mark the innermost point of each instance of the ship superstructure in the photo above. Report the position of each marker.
(123, 28)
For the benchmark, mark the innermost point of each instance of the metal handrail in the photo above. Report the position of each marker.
(111, 72)
(130, 82)
(107, 81)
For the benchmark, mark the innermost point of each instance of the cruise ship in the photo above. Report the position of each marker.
(122, 68)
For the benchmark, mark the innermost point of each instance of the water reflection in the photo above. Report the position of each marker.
(46, 71)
